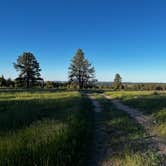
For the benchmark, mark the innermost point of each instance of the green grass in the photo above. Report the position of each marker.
(128, 143)
(150, 103)
(44, 128)
(128, 94)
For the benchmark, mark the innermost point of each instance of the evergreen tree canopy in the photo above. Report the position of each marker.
(29, 69)
(117, 84)
(2, 81)
(80, 70)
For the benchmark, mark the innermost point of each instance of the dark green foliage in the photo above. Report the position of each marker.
(19, 82)
(80, 71)
(53, 84)
(2, 81)
(29, 70)
(117, 84)
(145, 86)
(10, 83)
(6, 82)
(133, 86)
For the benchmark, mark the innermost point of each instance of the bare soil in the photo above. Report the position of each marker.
(101, 136)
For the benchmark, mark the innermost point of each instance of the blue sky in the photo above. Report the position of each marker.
(117, 36)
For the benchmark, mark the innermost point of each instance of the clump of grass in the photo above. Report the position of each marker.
(160, 119)
(160, 130)
(137, 159)
(156, 93)
(160, 116)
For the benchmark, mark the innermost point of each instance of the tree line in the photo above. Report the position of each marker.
(81, 75)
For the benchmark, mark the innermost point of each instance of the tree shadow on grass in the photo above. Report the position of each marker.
(17, 114)
(91, 91)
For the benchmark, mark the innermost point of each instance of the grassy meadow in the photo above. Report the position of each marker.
(48, 128)
(44, 128)
(150, 103)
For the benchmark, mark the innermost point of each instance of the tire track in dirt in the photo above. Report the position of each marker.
(145, 121)
(100, 138)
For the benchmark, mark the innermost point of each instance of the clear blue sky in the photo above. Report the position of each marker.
(117, 36)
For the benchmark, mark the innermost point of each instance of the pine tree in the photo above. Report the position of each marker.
(29, 69)
(2, 81)
(80, 70)
(117, 84)
(10, 83)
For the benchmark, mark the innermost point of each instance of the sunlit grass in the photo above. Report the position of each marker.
(35, 95)
(128, 94)
(160, 130)
(137, 159)
(160, 127)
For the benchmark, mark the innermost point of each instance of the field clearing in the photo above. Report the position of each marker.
(149, 103)
(48, 128)
(44, 128)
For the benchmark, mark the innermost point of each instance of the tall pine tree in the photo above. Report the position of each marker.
(81, 71)
(2, 81)
(117, 84)
(29, 69)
